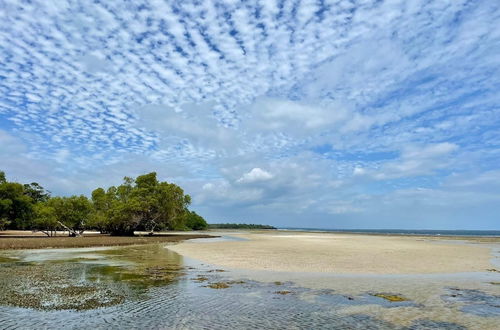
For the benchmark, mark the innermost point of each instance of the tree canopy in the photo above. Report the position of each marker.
(143, 203)
(16, 203)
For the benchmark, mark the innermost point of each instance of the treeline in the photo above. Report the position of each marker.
(238, 226)
(140, 204)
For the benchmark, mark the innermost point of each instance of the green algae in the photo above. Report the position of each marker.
(390, 297)
(86, 279)
(7, 259)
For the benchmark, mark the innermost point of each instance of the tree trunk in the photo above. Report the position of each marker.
(122, 233)
(72, 233)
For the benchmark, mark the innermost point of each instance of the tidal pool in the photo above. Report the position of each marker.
(153, 288)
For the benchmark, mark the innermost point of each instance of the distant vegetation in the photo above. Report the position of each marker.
(140, 204)
(238, 226)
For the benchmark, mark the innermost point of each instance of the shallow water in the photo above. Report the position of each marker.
(152, 287)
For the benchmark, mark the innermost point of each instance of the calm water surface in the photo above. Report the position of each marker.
(154, 288)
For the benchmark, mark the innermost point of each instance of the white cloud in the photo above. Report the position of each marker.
(326, 103)
(414, 161)
(255, 175)
(285, 115)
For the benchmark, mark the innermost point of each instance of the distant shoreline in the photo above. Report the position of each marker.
(403, 232)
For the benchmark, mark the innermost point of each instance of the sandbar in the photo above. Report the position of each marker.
(344, 253)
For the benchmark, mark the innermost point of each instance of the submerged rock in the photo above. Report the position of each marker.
(430, 324)
(200, 279)
(283, 292)
(218, 285)
(474, 301)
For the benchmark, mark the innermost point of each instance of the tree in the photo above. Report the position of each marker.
(162, 204)
(4, 223)
(17, 202)
(101, 204)
(72, 213)
(194, 221)
(141, 204)
(45, 219)
(36, 192)
(16, 208)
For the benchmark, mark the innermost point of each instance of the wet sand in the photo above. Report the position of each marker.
(344, 253)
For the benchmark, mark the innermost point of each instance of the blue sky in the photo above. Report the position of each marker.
(332, 114)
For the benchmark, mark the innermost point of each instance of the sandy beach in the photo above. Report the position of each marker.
(344, 253)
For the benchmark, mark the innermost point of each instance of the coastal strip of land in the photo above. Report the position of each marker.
(28, 240)
(344, 253)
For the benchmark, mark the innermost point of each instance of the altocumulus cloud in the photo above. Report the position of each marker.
(300, 113)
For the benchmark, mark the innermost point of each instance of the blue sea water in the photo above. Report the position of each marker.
(424, 232)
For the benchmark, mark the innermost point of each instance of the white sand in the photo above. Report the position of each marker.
(341, 253)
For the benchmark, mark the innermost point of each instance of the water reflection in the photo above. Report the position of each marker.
(80, 279)
(152, 287)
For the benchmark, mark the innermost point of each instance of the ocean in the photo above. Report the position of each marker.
(417, 232)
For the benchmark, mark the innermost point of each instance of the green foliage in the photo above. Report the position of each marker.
(73, 212)
(46, 218)
(36, 192)
(194, 221)
(17, 202)
(238, 226)
(143, 203)
(4, 223)
(16, 208)
(101, 203)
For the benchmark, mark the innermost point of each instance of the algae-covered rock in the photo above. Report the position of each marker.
(390, 297)
(200, 279)
(283, 292)
(218, 285)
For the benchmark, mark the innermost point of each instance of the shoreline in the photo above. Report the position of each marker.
(465, 238)
(18, 241)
